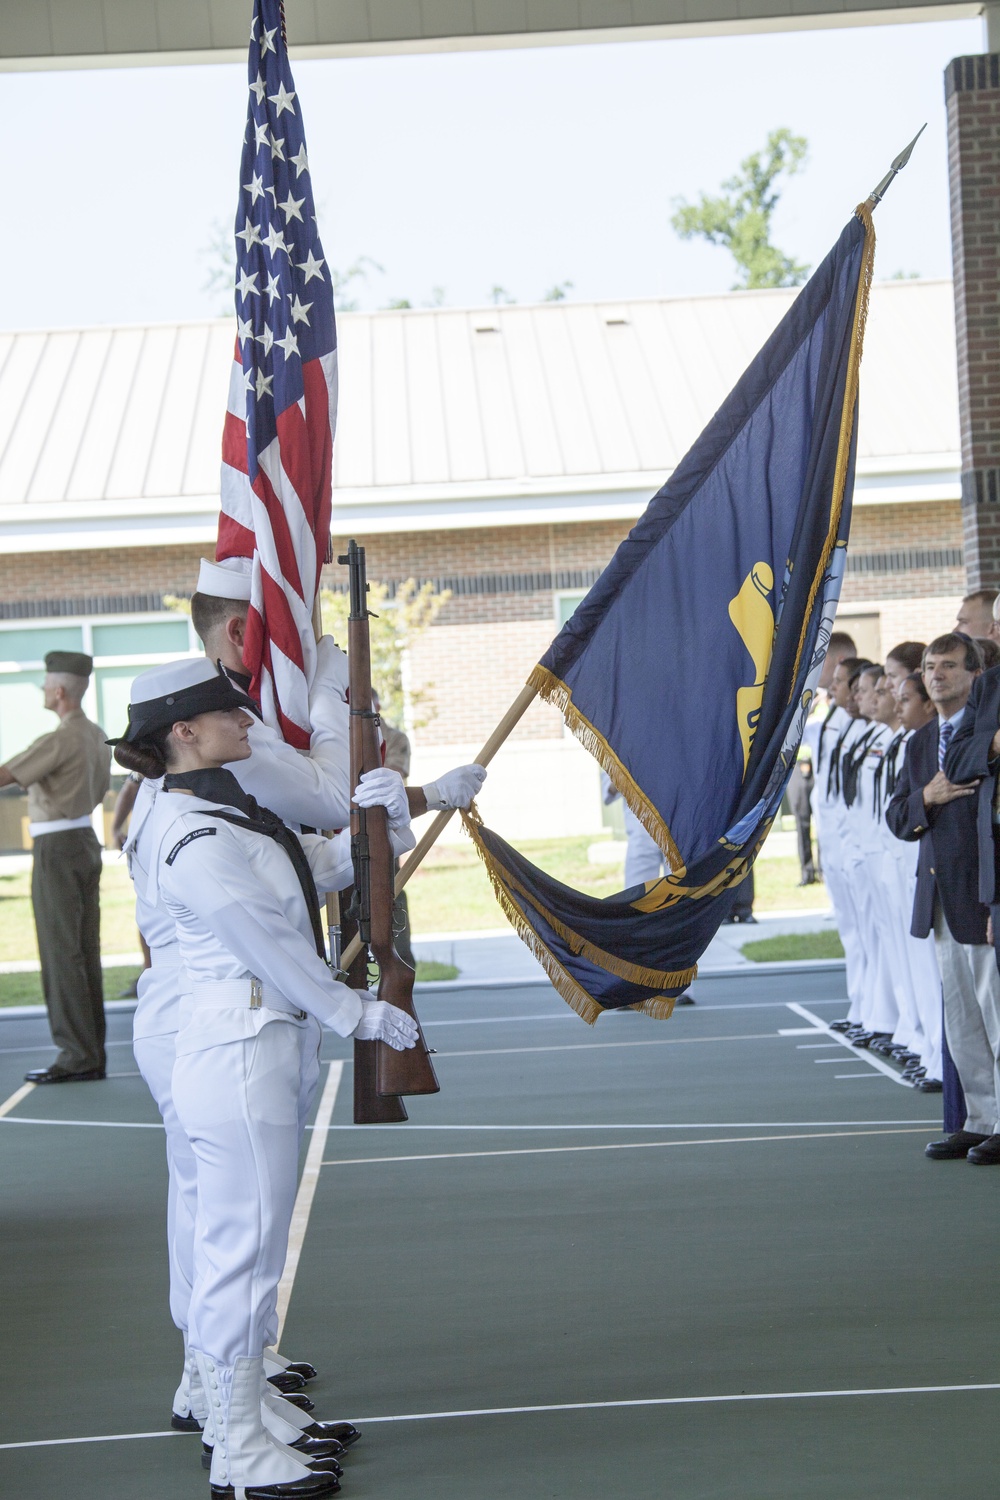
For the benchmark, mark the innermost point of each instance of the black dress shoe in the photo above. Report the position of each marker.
(185, 1424)
(312, 1449)
(986, 1155)
(312, 1488)
(686, 999)
(929, 1086)
(749, 920)
(59, 1075)
(844, 1025)
(861, 1038)
(343, 1432)
(286, 1381)
(302, 1367)
(298, 1399)
(955, 1147)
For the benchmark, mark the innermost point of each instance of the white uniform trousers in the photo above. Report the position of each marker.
(971, 986)
(845, 911)
(239, 1105)
(643, 855)
(921, 957)
(877, 1004)
(155, 1058)
(908, 1031)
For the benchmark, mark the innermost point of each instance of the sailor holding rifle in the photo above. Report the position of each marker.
(310, 789)
(241, 890)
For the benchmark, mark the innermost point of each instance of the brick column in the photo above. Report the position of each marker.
(972, 89)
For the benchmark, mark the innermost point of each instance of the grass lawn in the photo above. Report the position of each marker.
(17, 926)
(794, 945)
(26, 989)
(449, 893)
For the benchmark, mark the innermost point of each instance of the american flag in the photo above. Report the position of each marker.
(277, 446)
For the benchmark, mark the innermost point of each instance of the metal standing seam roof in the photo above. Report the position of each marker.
(554, 393)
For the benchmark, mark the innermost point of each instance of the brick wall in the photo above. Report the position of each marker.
(33, 576)
(972, 89)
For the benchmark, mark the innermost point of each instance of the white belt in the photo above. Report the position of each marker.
(58, 825)
(239, 994)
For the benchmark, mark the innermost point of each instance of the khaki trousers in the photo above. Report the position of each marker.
(65, 894)
(971, 987)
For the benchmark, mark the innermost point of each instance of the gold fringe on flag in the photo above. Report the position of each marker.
(503, 882)
(555, 691)
(865, 279)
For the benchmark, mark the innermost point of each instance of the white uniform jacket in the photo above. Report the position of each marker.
(239, 914)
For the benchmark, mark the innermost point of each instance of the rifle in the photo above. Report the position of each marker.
(394, 1073)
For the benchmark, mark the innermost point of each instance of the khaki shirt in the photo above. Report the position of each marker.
(67, 772)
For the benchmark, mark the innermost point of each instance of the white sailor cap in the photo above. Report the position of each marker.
(177, 690)
(229, 579)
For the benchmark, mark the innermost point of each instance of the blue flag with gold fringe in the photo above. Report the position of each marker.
(690, 668)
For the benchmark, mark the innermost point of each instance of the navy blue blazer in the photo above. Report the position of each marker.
(948, 864)
(968, 757)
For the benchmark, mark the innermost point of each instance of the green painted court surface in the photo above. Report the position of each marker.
(691, 1214)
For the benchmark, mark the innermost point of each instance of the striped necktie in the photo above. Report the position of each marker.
(944, 740)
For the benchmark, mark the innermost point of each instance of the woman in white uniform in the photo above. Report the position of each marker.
(241, 890)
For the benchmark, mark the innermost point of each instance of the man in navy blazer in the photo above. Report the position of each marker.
(942, 814)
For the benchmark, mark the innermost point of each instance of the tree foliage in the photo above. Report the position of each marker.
(740, 217)
(394, 626)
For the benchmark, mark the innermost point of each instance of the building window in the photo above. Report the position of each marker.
(566, 604)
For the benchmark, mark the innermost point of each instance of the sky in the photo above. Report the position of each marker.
(521, 168)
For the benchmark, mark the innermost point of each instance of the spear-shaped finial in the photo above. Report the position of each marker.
(877, 194)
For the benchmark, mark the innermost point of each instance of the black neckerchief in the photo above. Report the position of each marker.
(219, 785)
(851, 763)
(819, 747)
(886, 773)
(242, 681)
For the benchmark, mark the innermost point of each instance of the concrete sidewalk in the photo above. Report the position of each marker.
(498, 953)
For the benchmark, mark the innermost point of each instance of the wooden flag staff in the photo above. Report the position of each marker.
(486, 754)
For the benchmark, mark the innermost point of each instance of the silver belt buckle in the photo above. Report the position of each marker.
(256, 994)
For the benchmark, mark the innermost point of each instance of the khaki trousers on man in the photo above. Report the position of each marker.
(971, 987)
(65, 893)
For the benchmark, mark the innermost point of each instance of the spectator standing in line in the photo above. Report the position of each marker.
(975, 614)
(974, 754)
(800, 789)
(942, 814)
(67, 774)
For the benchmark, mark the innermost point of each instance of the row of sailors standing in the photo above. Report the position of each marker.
(230, 1013)
(893, 984)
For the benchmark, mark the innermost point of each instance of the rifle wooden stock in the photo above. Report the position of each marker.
(516, 711)
(396, 1073)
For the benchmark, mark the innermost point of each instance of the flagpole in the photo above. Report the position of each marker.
(513, 715)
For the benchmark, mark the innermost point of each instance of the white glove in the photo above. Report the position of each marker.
(331, 675)
(384, 788)
(382, 1022)
(455, 788)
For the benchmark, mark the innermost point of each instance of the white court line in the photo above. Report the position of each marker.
(733, 1140)
(667, 1041)
(15, 1098)
(855, 1075)
(307, 1192)
(12, 1051)
(674, 1125)
(860, 1054)
(411, 1126)
(519, 1411)
(85, 1124)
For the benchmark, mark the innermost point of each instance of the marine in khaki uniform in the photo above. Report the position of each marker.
(66, 775)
